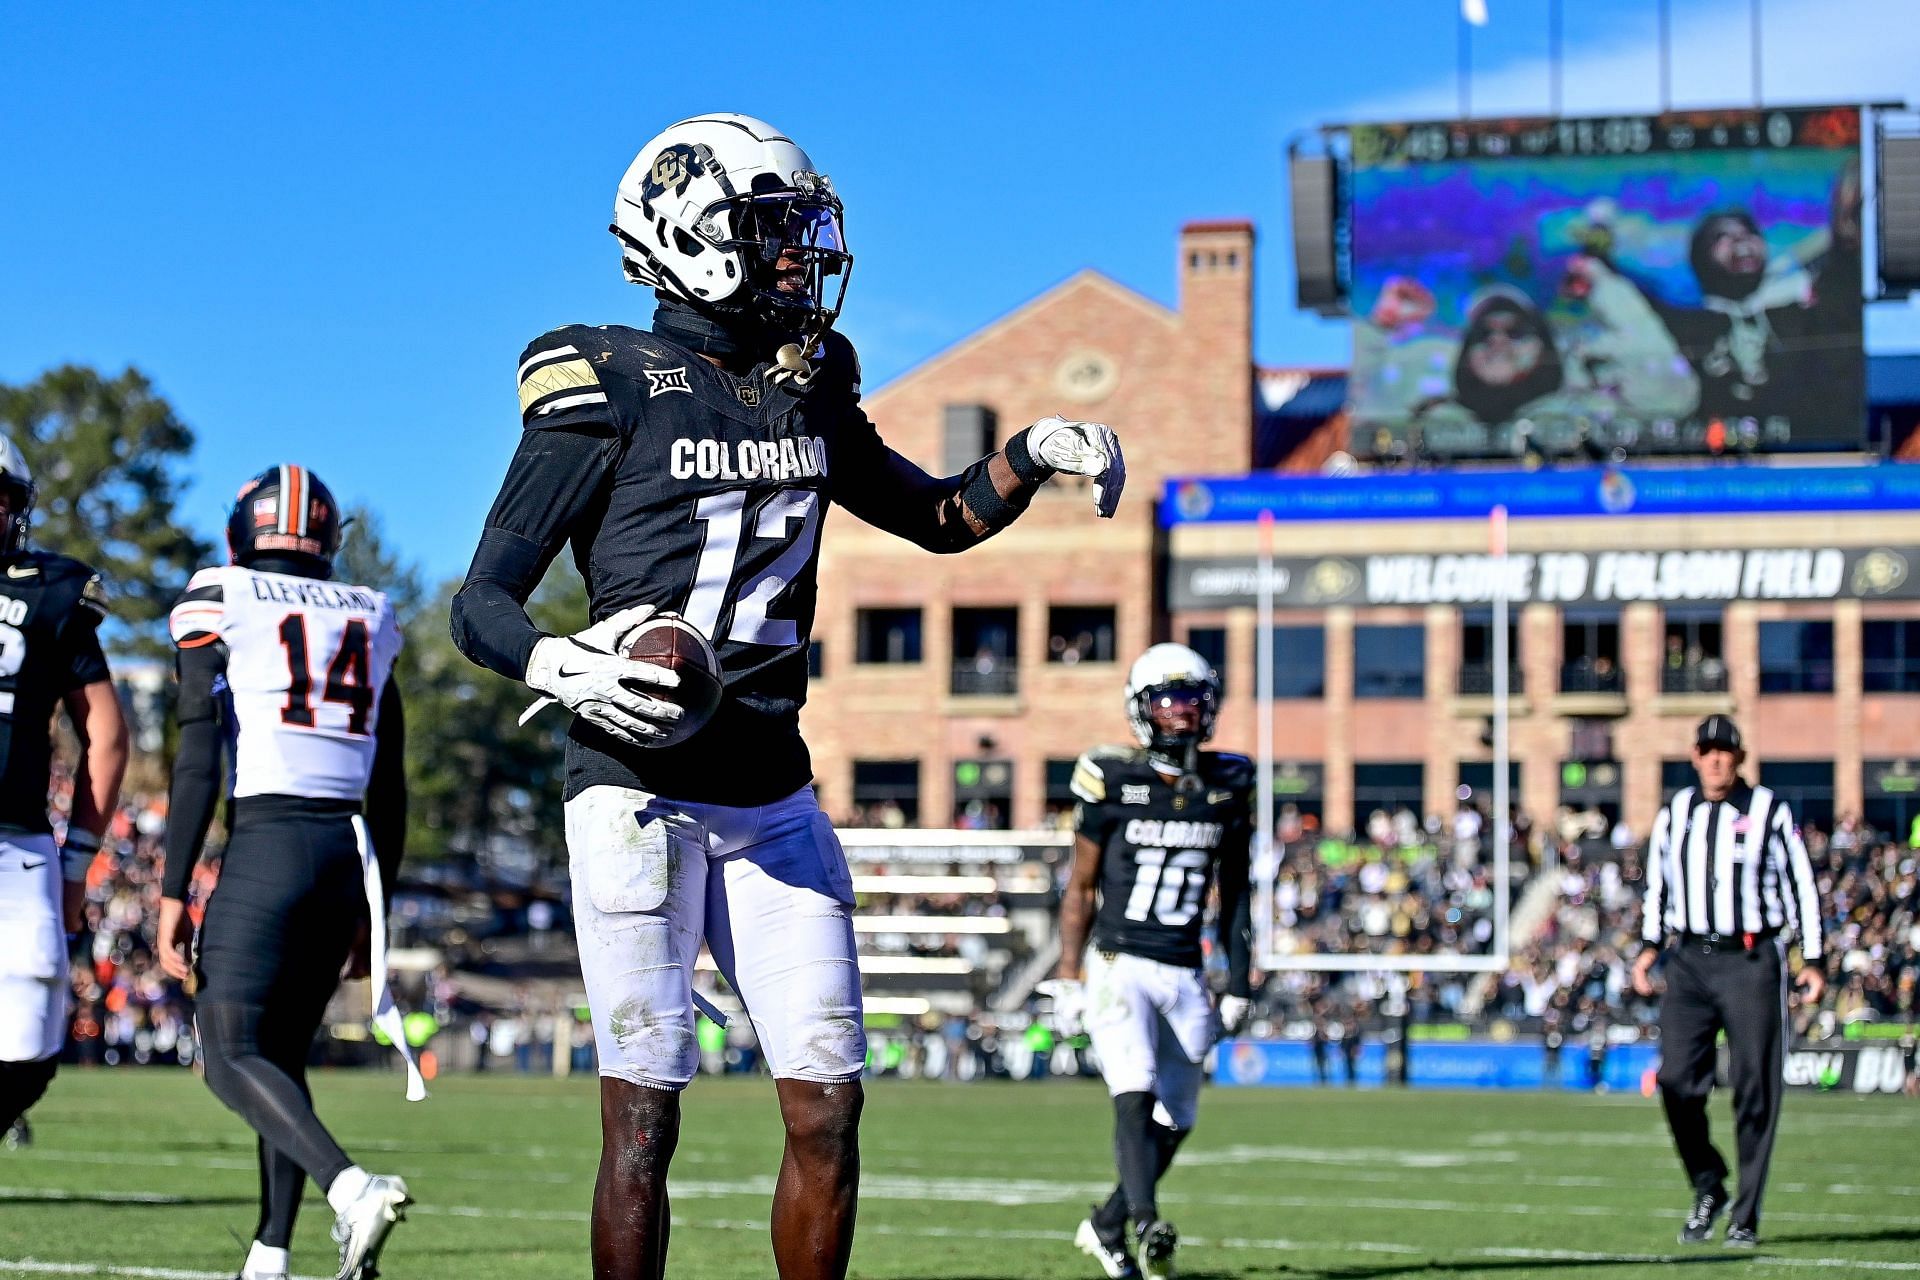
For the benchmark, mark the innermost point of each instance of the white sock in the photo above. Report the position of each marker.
(265, 1260)
(347, 1187)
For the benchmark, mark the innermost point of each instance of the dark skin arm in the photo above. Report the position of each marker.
(102, 729)
(1076, 907)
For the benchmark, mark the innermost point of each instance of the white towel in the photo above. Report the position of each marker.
(386, 1014)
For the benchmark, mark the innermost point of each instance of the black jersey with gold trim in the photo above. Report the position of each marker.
(50, 607)
(703, 491)
(1163, 840)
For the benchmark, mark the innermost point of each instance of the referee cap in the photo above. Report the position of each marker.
(1717, 733)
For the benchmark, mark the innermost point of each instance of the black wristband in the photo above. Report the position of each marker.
(1028, 468)
(985, 503)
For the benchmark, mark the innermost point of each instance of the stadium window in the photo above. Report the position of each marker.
(816, 663)
(1211, 644)
(1807, 785)
(1675, 774)
(1389, 662)
(1893, 799)
(886, 793)
(1080, 633)
(1694, 659)
(1388, 787)
(887, 635)
(1299, 662)
(1589, 786)
(1476, 779)
(1890, 656)
(1060, 798)
(1590, 652)
(1476, 653)
(982, 795)
(968, 436)
(986, 651)
(1796, 657)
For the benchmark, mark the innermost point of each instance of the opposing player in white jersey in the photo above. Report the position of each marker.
(290, 673)
(49, 656)
(1154, 827)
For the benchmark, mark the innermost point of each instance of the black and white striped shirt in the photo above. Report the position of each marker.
(1729, 867)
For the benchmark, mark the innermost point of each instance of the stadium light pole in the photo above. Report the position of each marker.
(1502, 662)
(1266, 867)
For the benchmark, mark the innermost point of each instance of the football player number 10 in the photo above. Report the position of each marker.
(789, 516)
(1169, 889)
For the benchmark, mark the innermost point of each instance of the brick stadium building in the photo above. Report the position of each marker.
(958, 691)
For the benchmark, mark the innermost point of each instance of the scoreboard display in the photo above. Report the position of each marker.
(1682, 283)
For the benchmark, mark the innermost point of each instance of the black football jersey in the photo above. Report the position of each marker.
(49, 609)
(711, 491)
(1161, 846)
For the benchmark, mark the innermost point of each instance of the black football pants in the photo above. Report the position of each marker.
(1744, 993)
(21, 1085)
(277, 932)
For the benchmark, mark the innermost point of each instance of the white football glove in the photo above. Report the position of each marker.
(1233, 1013)
(1082, 449)
(586, 673)
(1069, 1015)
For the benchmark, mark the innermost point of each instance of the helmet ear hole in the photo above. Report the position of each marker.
(687, 244)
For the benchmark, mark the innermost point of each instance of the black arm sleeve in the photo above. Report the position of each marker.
(941, 515)
(387, 788)
(196, 768)
(555, 476)
(891, 493)
(1236, 915)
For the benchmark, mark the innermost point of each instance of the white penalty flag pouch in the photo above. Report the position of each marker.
(386, 1014)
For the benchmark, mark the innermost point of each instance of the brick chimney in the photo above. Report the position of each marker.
(1216, 321)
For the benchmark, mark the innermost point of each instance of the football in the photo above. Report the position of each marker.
(669, 640)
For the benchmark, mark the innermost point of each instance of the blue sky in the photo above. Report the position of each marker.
(326, 233)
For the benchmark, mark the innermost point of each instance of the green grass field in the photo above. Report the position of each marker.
(137, 1173)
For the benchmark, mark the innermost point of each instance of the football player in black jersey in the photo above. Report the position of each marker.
(50, 656)
(1154, 827)
(690, 466)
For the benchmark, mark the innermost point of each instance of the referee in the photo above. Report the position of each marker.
(1727, 874)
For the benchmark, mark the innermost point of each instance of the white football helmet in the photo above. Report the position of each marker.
(16, 479)
(710, 206)
(1171, 670)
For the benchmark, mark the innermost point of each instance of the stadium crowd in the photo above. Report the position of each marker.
(1577, 965)
(1404, 886)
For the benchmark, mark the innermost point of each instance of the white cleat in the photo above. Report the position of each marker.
(1110, 1254)
(362, 1227)
(1157, 1242)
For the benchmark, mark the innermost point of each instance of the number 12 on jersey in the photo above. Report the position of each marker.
(789, 516)
(349, 677)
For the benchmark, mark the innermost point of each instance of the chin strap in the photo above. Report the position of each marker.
(1190, 769)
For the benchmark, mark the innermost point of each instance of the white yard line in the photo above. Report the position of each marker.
(32, 1266)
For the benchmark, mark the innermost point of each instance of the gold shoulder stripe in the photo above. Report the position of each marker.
(1088, 783)
(550, 379)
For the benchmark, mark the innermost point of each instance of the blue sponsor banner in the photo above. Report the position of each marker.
(1471, 1064)
(1587, 491)
(1281, 1062)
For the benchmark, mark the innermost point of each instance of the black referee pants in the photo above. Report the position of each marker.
(1744, 993)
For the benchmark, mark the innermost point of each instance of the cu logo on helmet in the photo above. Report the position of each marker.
(675, 169)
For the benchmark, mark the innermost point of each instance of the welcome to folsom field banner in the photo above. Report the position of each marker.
(1560, 577)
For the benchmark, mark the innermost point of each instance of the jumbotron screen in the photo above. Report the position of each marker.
(1684, 283)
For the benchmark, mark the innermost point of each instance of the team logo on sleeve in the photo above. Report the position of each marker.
(661, 381)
